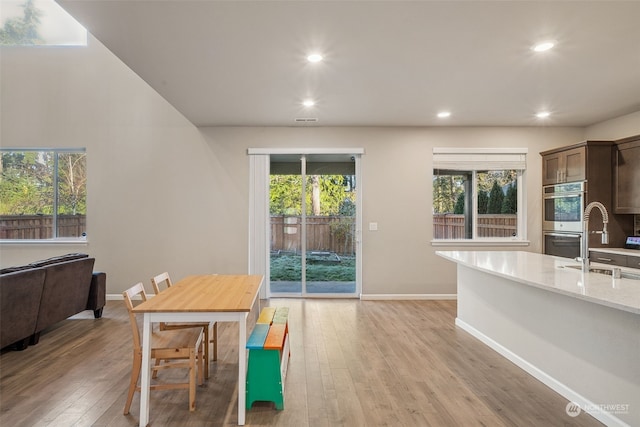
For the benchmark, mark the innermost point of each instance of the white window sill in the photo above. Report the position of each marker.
(61, 241)
(479, 242)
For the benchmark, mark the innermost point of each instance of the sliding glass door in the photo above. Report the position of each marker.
(314, 233)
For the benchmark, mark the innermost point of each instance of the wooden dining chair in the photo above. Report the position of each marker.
(169, 349)
(156, 282)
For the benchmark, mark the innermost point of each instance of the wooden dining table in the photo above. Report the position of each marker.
(200, 298)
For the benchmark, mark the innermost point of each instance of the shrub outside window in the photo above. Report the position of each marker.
(478, 195)
(43, 194)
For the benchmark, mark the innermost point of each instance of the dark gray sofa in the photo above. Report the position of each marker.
(38, 295)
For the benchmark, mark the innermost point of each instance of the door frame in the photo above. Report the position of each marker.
(259, 218)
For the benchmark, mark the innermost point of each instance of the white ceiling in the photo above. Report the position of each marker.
(387, 63)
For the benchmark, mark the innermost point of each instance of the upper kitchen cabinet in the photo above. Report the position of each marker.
(575, 162)
(627, 176)
(564, 166)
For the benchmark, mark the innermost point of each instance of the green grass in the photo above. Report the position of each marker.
(288, 268)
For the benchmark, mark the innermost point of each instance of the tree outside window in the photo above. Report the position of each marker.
(495, 206)
(43, 194)
(38, 23)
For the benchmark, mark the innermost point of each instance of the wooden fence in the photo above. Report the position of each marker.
(324, 233)
(30, 227)
(451, 226)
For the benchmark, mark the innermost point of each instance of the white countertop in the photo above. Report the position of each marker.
(546, 272)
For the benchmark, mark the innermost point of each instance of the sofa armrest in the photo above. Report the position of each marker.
(97, 293)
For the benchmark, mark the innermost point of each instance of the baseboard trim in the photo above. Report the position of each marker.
(399, 297)
(585, 404)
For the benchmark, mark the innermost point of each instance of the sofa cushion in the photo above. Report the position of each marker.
(44, 262)
(14, 269)
(65, 292)
(57, 259)
(20, 295)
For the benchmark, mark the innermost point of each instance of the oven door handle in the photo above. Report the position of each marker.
(563, 235)
(561, 196)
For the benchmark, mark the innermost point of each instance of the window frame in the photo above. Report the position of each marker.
(471, 161)
(82, 239)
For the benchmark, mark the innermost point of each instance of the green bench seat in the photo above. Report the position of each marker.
(268, 347)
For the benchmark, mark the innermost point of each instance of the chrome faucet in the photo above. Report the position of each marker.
(584, 248)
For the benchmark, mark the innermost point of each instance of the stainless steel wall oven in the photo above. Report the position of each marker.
(563, 207)
(563, 210)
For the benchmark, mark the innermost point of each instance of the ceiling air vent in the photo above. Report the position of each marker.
(306, 120)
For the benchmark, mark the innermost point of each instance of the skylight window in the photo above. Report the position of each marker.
(39, 23)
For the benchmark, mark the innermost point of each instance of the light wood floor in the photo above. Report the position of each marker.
(353, 363)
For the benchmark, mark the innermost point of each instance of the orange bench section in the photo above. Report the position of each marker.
(269, 353)
(275, 337)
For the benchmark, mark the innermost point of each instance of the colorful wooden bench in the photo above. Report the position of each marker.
(269, 354)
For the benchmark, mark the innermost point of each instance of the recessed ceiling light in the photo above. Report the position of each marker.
(444, 114)
(543, 114)
(543, 46)
(308, 103)
(314, 57)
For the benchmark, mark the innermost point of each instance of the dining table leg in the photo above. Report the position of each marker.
(242, 369)
(145, 380)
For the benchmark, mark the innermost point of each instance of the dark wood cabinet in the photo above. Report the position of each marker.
(627, 176)
(620, 260)
(633, 261)
(578, 162)
(608, 258)
(593, 163)
(564, 166)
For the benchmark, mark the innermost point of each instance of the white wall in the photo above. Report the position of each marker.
(396, 189)
(156, 193)
(617, 128)
(164, 195)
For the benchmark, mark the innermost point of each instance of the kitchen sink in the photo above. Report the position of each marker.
(607, 271)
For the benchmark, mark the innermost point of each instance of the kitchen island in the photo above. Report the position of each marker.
(579, 333)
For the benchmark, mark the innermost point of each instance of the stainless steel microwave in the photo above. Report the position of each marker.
(563, 206)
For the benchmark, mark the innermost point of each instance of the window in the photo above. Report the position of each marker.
(43, 194)
(478, 194)
(38, 23)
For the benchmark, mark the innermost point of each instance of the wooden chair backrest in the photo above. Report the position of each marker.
(129, 295)
(157, 280)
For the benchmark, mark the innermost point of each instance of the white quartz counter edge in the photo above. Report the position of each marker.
(547, 272)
